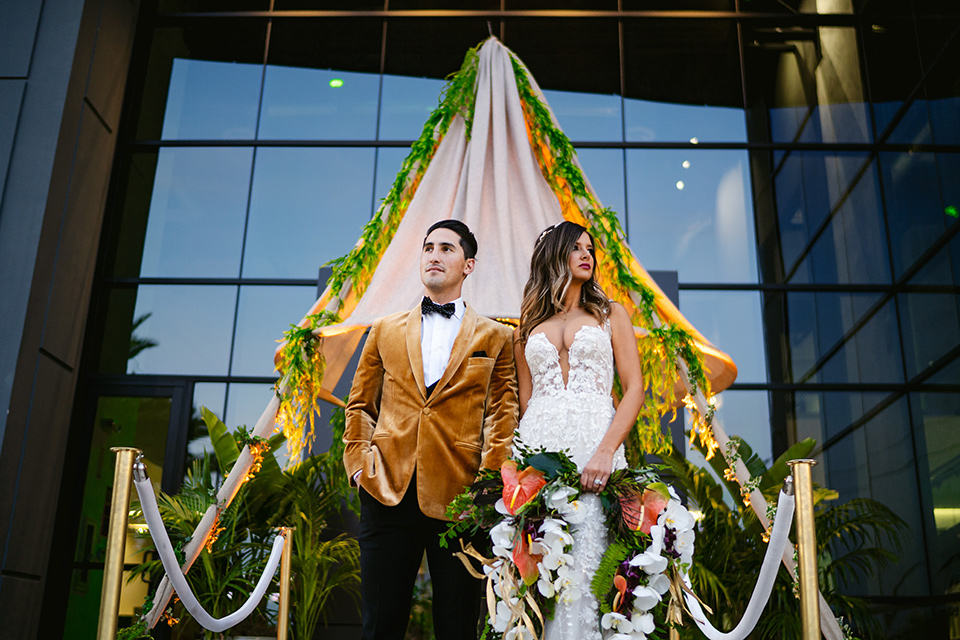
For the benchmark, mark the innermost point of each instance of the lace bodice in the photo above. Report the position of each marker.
(590, 358)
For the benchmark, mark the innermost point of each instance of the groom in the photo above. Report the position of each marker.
(434, 400)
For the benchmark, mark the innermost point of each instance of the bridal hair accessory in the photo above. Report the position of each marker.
(543, 234)
(528, 509)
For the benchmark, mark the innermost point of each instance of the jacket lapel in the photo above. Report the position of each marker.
(459, 351)
(414, 350)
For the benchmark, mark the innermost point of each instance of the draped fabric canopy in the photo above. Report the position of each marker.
(486, 174)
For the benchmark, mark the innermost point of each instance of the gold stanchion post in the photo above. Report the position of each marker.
(116, 543)
(283, 616)
(807, 549)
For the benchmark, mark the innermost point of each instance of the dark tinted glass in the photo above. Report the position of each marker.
(430, 48)
(679, 5)
(568, 55)
(804, 84)
(931, 330)
(307, 206)
(689, 211)
(202, 81)
(936, 423)
(829, 226)
(892, 62)
(918, 191)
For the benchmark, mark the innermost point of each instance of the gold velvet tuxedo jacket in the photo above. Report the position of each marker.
(467, 422)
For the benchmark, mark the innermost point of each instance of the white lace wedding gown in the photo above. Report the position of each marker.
(574, 417)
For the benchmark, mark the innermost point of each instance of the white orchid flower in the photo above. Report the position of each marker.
(676, 517)
(545, 586)
(570, 595)
(617, 622)
(645, 598)
(560, 497)
(625, 636)
(649, 562)
(684, 545)
(503, 617)
(519, 632)
(553, 561)
(574, 512)
(504, 534)
(644, 624)
(659, 583)
(501, 508)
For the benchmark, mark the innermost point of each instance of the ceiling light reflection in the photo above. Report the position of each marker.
(680, 185)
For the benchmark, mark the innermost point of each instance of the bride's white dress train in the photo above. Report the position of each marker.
(574, 416)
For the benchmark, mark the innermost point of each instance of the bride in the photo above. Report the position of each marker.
(569, 340)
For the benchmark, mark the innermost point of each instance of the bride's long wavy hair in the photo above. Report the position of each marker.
(550, 278)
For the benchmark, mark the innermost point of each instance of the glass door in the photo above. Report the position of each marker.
(150, 419)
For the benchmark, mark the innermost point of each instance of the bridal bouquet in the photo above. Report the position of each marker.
(529, 510)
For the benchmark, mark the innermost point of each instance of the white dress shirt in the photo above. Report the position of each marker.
(437, 335)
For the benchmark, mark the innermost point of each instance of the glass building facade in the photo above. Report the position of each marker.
(795, 162)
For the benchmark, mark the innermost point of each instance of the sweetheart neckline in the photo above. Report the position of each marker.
(556, 351)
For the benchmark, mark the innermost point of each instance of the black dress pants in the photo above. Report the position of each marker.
(392, 544)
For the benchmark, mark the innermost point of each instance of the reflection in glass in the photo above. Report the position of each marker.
(806, 85)
(892, 63)
(246, 403)
(835, 337)
(689, 212)
(603, 169)
(318, 104)
(199, 202)
(212, 100)
(211, 395)
(587, 116)
(264, 313)
(191, 326)
(747, 414)
(731, 320)
(936, 419)
(931, 329)
(838, 191)
(405, 105)
(915, 212)
(648, 121)
(871, 462)
(308, 206)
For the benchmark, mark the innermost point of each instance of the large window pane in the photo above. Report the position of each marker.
(307, 207)
(892, 62)
(603, 168)
(682, 81)
(829, 219)
(300, 103)
(264, 313)
(731, 321)
(199, 203)
(931, 329)
(405, 105)
(805, 84)
(587, 116)
(689, 211)
(189, 326)
(430, 47)
(202, 81)
(917, 193)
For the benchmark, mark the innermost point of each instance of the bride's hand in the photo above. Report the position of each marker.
(597, 472)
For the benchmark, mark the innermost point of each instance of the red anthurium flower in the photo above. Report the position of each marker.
(525, 561)
(621, 585)
(655, 499)
(519, 488)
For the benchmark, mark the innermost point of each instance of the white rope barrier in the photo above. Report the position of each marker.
(148, 502)
(779, 538)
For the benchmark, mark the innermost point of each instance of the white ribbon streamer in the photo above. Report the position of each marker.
(148, 502)
(779, 538)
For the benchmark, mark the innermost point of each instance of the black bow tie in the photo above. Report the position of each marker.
(428, 306)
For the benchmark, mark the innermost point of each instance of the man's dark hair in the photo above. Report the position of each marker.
(467, 241)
